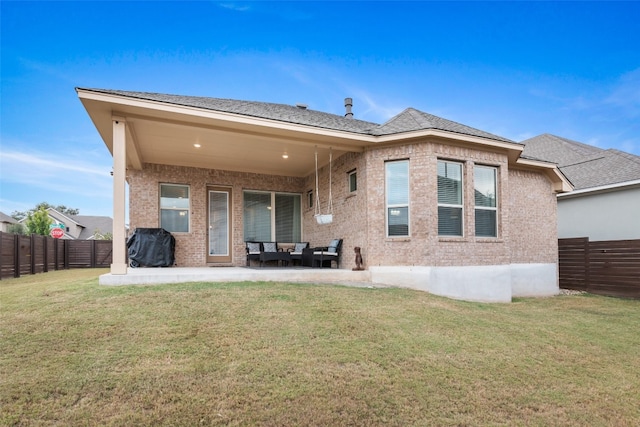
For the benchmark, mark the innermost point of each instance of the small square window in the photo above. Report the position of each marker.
(353, 181)
(310, 199)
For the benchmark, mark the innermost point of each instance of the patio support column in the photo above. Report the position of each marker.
(119, 265)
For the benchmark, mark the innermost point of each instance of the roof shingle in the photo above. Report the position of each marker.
(407, 121)
(584, 165)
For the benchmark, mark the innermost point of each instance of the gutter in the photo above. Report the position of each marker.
(601, 189)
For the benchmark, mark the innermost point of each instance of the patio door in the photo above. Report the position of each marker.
(219, 224)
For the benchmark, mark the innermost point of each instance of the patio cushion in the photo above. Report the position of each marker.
(297, 250)
(325, 253)
(253, 247)
(270, 247)
(333, 246)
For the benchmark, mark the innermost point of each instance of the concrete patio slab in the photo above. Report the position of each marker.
(146, 276)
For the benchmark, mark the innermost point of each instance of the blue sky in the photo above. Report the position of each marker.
(516, 69)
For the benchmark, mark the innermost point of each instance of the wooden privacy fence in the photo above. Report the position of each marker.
(607, 268)
(21, 255)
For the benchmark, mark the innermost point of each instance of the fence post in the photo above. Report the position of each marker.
(65, 247)
(587, 264)
(16, 248)
(55, 255)
(45, 257)
(94, 253)
(32, 251)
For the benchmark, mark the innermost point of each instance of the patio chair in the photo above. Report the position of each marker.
(253, 251)
(324, 256)
(296, 251)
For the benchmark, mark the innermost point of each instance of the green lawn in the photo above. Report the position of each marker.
(75, 353)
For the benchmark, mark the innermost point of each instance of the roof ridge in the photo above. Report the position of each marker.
(587, 160)
(628, 156)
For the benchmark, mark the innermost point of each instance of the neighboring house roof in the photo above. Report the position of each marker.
(584, 165)
(57, 215)
(407, 121)
(91, 224)
(6, 218)
(86, 224)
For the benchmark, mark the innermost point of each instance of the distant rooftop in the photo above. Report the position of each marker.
(407, 121)
(584, 165)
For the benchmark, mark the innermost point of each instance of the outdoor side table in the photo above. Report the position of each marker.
(280, 257)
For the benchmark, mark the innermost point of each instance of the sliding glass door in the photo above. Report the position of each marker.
(272, 217)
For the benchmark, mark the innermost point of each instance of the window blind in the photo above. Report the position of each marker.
(397, 192)
(450, 209)
(288, 218)
(219, 223)
(257, 217)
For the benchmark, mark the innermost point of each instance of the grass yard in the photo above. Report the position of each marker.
(74, 353)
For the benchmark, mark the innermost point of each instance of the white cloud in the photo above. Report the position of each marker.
(52, 164)
(235, 6)
(52, 172)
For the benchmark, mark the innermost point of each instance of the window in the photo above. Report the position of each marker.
(485, 186)
(174, 208)
(270, 217)
(449, 198)
(310, 199)
(288, 218)
(353, 181)
(397, 191)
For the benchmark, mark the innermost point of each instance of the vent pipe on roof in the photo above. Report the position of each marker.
(348, 103)
(301, 106)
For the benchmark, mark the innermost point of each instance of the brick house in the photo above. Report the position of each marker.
(434, 205)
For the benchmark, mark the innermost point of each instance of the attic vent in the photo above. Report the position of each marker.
(302, 106)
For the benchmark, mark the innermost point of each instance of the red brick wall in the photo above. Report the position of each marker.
(533, 218)
(526, 212)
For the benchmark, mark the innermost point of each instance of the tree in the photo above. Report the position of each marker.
(38, 222)
(16, 229)
(99, 235)
(20, 215)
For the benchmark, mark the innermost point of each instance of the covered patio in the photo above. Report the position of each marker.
(149, 276)
(230, 139)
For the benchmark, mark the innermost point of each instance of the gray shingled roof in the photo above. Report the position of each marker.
(584, 165)
(6, 218)
(413, 120)
(93, 223)
(407, 121)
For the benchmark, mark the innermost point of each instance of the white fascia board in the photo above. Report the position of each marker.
(63, 215)
(601, 189)
(357, 138)
(398, 137)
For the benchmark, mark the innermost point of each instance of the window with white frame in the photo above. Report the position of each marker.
(397, 197)
(450, 199)
(486, 207)
(353, 181)
(174, 208)
(272, 217)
